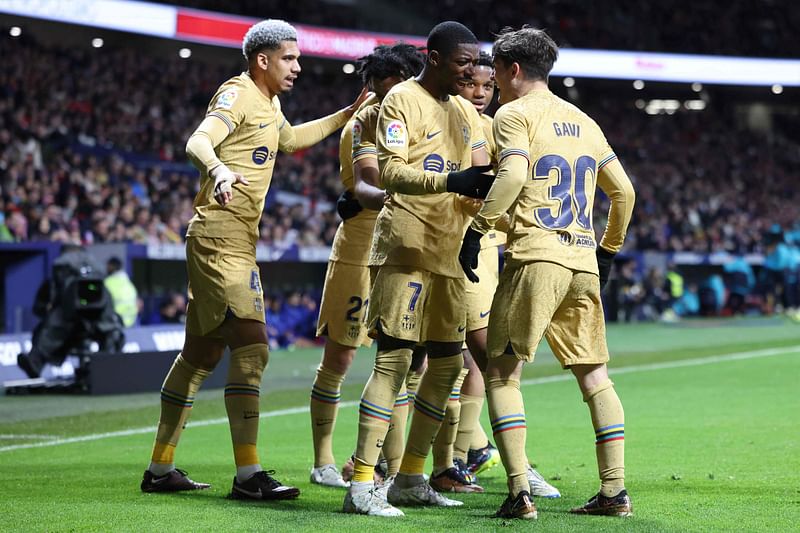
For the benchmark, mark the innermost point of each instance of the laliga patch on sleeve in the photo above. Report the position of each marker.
(356, 133)
(396, 134)
(226, 99)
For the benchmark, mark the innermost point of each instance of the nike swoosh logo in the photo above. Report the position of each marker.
(323, 423)
(432, 135)
(248, 417)
(461, 328)
(264, 125)
(484, 315)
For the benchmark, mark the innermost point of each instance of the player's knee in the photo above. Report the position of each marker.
(248, 363)
(338, 357)
(393, 365)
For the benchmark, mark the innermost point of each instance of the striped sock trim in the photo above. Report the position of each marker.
(455, 395)
(174, 398)
(374, 411)
(402, 400)
(609, 433)
(325, 396)
(428, 409)
(508, 422)
(242, 389)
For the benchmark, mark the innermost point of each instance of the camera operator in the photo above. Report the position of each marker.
(75, 308)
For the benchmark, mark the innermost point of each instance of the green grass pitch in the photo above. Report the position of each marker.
(712, 444)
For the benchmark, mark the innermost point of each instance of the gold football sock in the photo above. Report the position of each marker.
(468, 426)
(325, 395)
(242, 392)
(442, 450)
(177, 397)
(395, 441)
(429, 410)
(507, 415)
(375, 409)
(608, 420)
(412, 384)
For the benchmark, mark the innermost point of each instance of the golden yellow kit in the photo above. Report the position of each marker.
(342, 314)
(221, 240)
(551, 158)
(419, 289)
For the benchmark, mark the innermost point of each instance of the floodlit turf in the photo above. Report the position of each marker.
(711, 445)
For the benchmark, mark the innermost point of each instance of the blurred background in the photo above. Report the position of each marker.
(97, 99)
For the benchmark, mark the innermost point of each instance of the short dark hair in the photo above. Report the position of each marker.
(533, 49)
(485, 60)
(446, 36)
(402, 59)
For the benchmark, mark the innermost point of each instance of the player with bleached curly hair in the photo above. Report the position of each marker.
(234, 148)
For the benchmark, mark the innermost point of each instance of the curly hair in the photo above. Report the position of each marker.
(267, 35)
(401, 59)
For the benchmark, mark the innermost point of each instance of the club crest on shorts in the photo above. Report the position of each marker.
(408, 323)
(258, 303)
(352, 332)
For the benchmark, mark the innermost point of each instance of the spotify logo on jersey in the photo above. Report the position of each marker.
(261, 155)
(434, 163)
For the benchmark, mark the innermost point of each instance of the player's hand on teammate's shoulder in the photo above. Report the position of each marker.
(471, 206)
(224, 180)
(468, 255)
(474, 182)
(360, 99)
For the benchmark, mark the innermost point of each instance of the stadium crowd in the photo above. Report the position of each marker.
(741, 27)
(80, 163)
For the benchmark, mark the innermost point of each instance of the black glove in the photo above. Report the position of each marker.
(347, 205)
(472, 182)
(605, 260)
(468, 256)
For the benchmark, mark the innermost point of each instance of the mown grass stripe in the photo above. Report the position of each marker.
(722, 358)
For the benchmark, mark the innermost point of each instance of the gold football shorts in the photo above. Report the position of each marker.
(223, 275)
(343, 311)
(545, 299)
(417, 305)
(479, 295)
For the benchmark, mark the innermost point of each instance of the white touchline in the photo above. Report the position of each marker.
(737, 356)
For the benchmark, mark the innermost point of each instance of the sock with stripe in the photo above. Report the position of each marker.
(412, 384)
(376, 407)
(325, 396)
(395, 441)
(443, 451)
(429, 410)
(177, 397)
(608, 420)
(469, 427)
(507, 416)
(242, 395)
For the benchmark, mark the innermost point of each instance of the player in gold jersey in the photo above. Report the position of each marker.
(551, 158)
(426, 139)
(344, 297)
(472, 449)
(234, 148)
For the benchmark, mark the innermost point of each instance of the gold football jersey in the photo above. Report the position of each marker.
(258, 130)
(354, 238)
(419, 140)
(493, 238)
(567, 157)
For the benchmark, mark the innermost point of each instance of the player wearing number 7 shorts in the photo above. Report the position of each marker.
(551, 156)
(346, 291)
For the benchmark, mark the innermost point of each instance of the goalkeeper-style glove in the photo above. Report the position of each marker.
(472, 182)
(347, 205)
(468, 256)
(605, 260)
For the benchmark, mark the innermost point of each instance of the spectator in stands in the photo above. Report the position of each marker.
(173, 309)
(123, 292)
